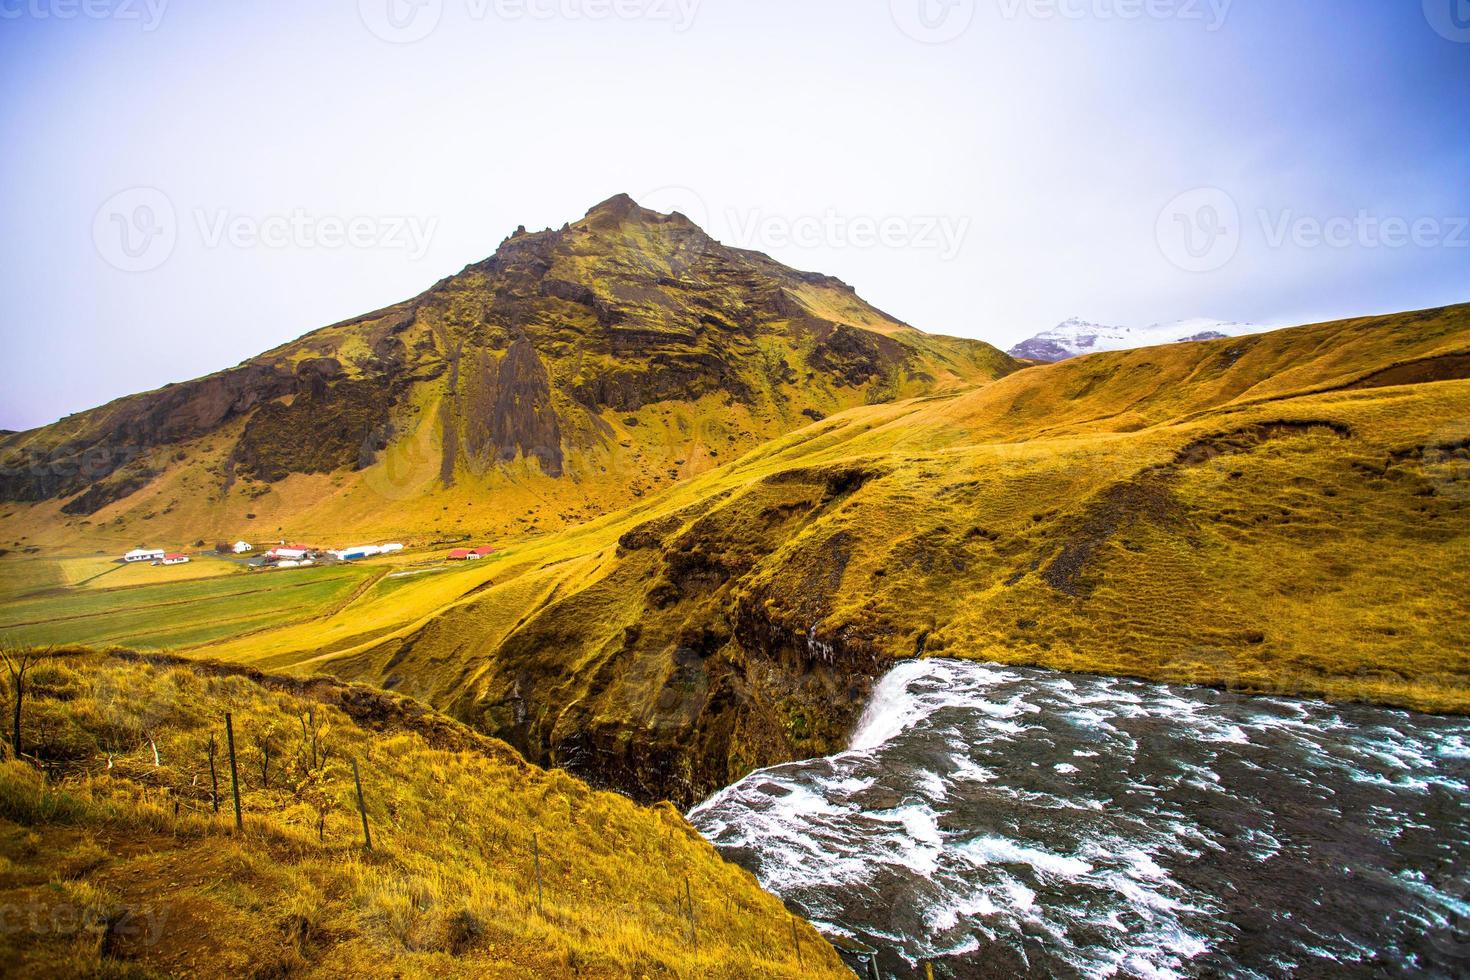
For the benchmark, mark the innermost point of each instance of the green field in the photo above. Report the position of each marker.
(168, 614)
(27, 576)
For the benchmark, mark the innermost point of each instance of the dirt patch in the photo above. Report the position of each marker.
(1145, 498)
(1249, 438)
(1449, 367)
(1149, 495)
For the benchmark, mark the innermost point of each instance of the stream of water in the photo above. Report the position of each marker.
(999, 822)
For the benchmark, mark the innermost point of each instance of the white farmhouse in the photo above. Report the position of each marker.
(145, 554)
(243, 547)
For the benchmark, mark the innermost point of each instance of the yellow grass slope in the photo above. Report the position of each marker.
(116, 863)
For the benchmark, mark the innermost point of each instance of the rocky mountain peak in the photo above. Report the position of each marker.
(627, 338)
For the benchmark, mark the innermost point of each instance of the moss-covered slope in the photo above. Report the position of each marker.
(114, 861)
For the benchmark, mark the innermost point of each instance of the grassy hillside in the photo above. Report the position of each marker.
(115, 863)
(571, 374)
(1283, 513)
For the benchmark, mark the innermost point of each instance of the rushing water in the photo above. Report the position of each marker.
(1009, 822)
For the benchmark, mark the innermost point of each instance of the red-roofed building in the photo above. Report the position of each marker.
(175, 559)
(486, 552)
(460, 554)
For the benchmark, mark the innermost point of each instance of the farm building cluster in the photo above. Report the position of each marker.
(300, 555)
(472, 554)
(292, 555)
(281, 556)
(155, 556)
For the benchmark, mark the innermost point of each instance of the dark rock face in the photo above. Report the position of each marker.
(856, 356)
(323, 429)
(84, 450)
(99, 495)
(510, 411)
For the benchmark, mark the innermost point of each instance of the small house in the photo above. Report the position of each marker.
(289, 552)
(175, 560)
(145, 554)
(243, 547)
(462, 554)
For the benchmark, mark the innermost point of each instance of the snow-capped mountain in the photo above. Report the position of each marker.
(1075, 337)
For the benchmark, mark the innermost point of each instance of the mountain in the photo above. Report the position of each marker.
(569, 375)
(1074, 337)
(1256, 513)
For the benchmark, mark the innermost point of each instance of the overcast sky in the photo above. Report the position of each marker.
(188, 183)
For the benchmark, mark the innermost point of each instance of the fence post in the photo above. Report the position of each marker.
(213, 778)
(367, 838)
(693, 930)
(536, 853)
(234, 771)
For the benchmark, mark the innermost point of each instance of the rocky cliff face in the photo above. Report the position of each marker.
(684, 667)
(538, 364)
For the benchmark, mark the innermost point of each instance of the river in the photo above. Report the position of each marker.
(1000, 822)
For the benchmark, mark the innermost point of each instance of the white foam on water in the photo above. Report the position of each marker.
(998, 850)
(1021, 897)
(849, 785)
(1033, 859)
(932, 786)
(915, 844)
(943, 918)
(966, 771)
(891, 709)
(1453, 747)
(1233, 734)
